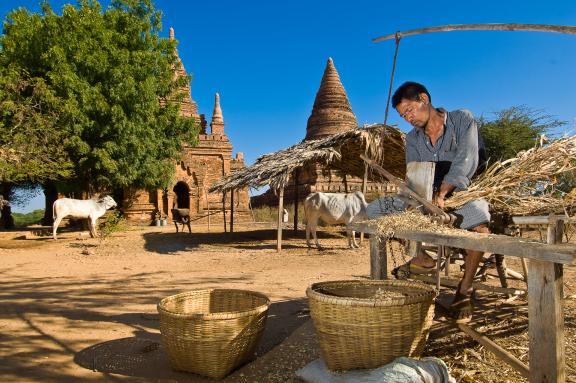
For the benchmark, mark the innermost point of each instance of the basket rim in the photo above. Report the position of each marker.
(428, 293)
(213, 316)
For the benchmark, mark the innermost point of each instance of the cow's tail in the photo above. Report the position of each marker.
(54, 210)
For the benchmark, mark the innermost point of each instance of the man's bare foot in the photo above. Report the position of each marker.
(461, 307)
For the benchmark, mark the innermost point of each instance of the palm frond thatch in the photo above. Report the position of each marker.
(339, 151)
(524, 184)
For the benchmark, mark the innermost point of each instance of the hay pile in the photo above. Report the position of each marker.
(524, 185)
(413, 220)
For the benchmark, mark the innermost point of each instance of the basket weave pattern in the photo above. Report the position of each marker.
(211, 332)
(358, 328)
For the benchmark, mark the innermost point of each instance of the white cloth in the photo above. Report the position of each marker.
(401, 370)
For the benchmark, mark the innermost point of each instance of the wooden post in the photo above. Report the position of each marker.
(224, 209)
(280, 213)
(296, 176)
(546, 316)
(364, 187)
(345, 183)
(378, 258)
(232, 211)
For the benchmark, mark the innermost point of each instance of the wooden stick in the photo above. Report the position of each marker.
(451, 282)
(496, 349)
(482, 27)
(280, 213)
(224, 209)
(433, 209)
(364, 187)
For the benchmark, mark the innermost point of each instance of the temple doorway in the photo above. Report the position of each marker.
(182, 195)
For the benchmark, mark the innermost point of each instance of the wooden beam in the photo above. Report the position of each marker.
(451, 282)
(497, 350)
(481, 27)
(541, 219)
(231, 210)
(487, 243)
(546, 316)
(378, 258)
(280, 213)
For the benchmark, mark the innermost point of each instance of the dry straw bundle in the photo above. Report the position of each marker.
(525, 184)
(414, 220)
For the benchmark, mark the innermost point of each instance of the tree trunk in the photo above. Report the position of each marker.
(6, 220)
(50, 195)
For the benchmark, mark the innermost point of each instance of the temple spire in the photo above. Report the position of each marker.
(217, 124)
(171, 33)
(331, 112)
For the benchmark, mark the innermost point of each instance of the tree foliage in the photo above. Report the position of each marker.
(92, 82)
(513, 130)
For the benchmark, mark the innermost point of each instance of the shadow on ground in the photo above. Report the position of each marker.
(168, 243)
(144, 355)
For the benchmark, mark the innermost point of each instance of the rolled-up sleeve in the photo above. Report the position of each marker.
(465, 161)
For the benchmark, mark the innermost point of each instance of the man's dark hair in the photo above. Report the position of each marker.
(410, 91)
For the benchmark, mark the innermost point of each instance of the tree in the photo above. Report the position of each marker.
(103, 74)
(513, 130)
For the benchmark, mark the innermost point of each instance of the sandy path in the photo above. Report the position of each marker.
(71, 306)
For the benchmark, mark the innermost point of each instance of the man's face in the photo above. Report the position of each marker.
(416, 113)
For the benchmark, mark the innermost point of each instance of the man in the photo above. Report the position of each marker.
(451, 140)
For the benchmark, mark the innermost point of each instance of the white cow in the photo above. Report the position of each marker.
(76, 208)
(334, 208)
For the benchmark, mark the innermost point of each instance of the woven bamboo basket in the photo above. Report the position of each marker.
(211, 332)
(366, 324)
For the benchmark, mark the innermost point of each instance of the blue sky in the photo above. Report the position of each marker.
(266, 59)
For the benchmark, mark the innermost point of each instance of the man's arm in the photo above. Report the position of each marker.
(465, 161)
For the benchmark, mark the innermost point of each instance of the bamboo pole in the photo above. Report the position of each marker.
(566, 29)
(280, 212)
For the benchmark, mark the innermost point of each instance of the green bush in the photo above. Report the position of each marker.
(115, 222)
(25, 219)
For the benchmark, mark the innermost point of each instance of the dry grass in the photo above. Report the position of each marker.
(524, 185)
(388, 225)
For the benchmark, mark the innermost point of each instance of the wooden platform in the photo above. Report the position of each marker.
(545, 286)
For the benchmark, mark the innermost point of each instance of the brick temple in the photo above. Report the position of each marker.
(331, 114)
(199, 167)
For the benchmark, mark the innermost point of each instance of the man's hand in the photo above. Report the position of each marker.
(439, 198)
(438, 201)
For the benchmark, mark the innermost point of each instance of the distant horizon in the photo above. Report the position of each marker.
(266, 60)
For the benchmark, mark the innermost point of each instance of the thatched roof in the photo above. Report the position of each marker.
(340, 152)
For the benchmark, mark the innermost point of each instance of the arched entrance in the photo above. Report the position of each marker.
(182, 195)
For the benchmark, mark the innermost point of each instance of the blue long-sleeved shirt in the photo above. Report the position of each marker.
(458, 145)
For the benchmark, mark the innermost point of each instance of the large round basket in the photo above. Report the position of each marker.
(211, 332)
(366, 324)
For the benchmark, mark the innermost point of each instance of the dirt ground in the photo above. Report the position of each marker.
(82, 309)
